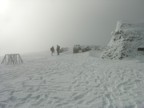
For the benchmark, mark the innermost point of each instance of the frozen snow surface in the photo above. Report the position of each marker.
(72, 81)
(125, 41)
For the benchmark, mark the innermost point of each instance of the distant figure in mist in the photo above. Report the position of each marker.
(58, 49)
(52, 50)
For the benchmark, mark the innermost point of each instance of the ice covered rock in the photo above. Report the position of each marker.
(85, 48)
(125, 41)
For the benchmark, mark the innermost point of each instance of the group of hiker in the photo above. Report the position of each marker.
(53, 50)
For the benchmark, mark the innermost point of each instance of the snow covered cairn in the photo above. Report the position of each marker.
(126, 41)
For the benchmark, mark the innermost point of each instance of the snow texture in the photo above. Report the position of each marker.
(125, 41)
(72, 81)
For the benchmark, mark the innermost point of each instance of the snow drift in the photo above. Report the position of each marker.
(125, 41)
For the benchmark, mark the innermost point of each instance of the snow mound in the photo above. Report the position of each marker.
(125, 41)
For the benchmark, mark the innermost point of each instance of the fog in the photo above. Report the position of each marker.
(36, 25)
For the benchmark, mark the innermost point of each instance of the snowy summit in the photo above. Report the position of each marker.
(72, 81)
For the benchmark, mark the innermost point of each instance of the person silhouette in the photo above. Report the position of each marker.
(52, 50)
(58, 49)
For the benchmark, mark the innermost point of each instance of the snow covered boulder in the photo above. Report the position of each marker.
(81, 48)
(85, 48)
(126, 41)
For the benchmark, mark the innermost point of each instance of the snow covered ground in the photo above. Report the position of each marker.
(72, 81)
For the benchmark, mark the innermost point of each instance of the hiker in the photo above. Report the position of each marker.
(52, 50)
(58, 49)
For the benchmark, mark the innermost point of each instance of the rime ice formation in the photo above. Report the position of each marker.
(125, 41)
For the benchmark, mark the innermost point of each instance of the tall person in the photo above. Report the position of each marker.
(58, 49)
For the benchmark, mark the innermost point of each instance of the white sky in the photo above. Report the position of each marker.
(36, 25)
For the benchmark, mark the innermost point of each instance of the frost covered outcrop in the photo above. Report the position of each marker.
(85, 48)
(125, 41)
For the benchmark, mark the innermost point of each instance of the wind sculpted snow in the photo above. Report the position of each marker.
(72, 81)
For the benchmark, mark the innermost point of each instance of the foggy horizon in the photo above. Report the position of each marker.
(36, 25)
